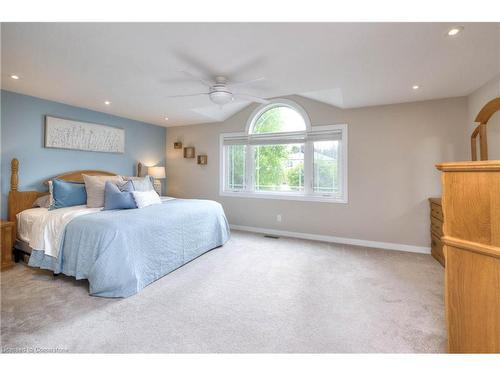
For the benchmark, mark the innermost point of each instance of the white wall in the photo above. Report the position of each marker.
(392, 153)
(476, 101)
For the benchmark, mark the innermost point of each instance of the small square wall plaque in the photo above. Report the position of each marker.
(177, 145)
(189, 152)
(202, 159)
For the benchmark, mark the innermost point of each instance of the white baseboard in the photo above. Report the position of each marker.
(342, 240)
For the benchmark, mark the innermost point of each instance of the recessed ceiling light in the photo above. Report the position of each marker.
(455, 30)
(107, 102)
(14, 76)
(166, 118)
(415, 87)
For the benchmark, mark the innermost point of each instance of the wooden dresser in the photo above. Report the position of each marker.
(436, 229)
(471, 210)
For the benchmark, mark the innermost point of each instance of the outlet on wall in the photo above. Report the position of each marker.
(278, 218)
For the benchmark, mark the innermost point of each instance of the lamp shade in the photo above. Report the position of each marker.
(156, 172)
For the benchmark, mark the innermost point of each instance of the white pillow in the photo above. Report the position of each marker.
(94, 185)
(146, 198)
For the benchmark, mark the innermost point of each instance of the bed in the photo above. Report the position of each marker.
(119, 251)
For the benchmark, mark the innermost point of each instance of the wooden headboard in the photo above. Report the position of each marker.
(22, 200)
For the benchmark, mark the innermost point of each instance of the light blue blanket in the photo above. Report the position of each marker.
(122, 251)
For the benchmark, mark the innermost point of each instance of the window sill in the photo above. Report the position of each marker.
(290, 197)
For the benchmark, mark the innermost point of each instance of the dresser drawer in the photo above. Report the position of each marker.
(436, 227)
(437, 249)
(436, 211)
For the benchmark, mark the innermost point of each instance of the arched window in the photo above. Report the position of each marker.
(281, 156)
(278, 117)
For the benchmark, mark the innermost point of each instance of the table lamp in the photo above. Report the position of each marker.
(158, 173)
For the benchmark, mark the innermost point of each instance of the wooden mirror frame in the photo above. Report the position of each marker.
(482, 118)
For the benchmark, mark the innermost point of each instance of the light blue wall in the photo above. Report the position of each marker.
(22, 134)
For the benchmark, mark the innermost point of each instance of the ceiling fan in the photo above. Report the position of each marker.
(220, 91)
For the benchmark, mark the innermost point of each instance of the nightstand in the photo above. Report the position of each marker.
(7, 237)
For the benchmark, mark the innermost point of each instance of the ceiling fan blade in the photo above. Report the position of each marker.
(202, 80)
(252, 98)
(247, 66)
(186, 95)
(244, 83)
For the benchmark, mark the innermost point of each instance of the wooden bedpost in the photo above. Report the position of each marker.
(14, 183)
(14, 177)
(18, 200)
(139, 169)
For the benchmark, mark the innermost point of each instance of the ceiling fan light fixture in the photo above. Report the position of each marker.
(220, 91)
(221, 97)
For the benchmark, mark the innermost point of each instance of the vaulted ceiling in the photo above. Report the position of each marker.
(137, 66)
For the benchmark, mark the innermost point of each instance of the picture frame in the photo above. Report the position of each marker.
(70, 134)
(202, 159)
(189, 152)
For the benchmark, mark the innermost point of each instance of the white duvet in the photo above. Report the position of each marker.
(47, 227)
(43, 229)
(25, 220)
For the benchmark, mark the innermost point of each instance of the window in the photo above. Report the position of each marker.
(236, 167)
(280, 156)
(326, 176)
(278, 119)
(279, 167)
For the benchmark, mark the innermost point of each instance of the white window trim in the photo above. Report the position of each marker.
(307, 196)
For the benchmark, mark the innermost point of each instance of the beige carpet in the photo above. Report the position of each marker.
(255, 294)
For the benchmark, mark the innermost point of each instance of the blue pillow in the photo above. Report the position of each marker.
(118, 197)
(67, 194)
